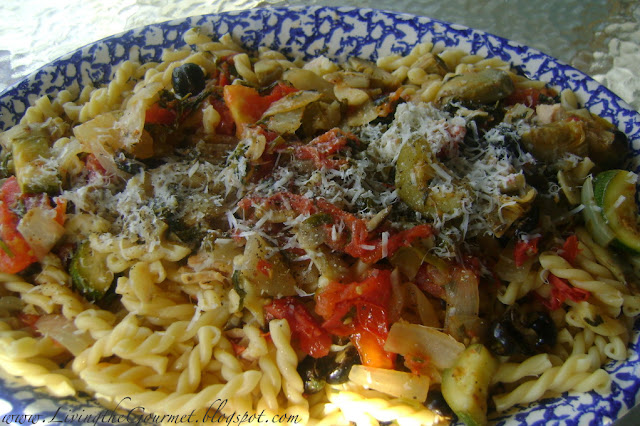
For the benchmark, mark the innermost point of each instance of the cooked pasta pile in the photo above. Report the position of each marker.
(413, 240)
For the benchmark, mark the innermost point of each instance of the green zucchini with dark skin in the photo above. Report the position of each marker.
(89, 272)
(615, 194)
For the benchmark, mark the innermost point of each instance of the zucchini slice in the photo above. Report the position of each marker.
(465, 386)
(615, 194)
(89, 272)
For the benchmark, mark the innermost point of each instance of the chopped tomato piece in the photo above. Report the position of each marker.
(374, 288)
(95, 170)
(360, 310)
(313, 339)
(530, 96)
(524, 250)
(281, 200)
(356, 245)
(61, 210)
(371, 350)
(264, 267)
(93, 166)
(418, 364)
(15, 253)
(359, 244)
(247, 105)
(226, 126)
(278, 92)
(404, 238)
(322, 147)
(159, 115)
(29, 320)
(570, 249)
(237, 347)
(433, 280)
(224, 76)
(561, 290)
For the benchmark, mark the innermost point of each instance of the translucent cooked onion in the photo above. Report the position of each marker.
(64, 331)
(426, 311)
(395, 383)
(292, 102)
(100, 137)
(507, 270)
(40, 229)
(463, 304)
(426, 342)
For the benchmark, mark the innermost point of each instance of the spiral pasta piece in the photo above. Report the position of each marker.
(376, 407)
(574, 373)
(603, 292)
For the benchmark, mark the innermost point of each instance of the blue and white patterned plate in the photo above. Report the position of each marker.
(337, 33)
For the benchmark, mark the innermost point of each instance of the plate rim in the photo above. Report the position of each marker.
(26, 82)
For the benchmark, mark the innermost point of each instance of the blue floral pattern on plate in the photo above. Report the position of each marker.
(337, 33)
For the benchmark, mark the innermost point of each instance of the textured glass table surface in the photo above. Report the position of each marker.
(598, 37)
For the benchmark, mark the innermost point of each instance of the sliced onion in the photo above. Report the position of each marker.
(408, 260)
(426, 311)
(63, 330)
(506, 268)
(426, 342)
(395, 383)
(131, 123)
(463, 302)
(397, 300)
(100, 137)
(41, 230)
(291, 102)
(593, 218)
(308, 80)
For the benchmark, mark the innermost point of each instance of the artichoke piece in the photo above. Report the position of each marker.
(551, 141)
(578, 132)
(264, 269)
(513, 208)
(413, 173)
(486, 86)
(608, 146)
(321, 116)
